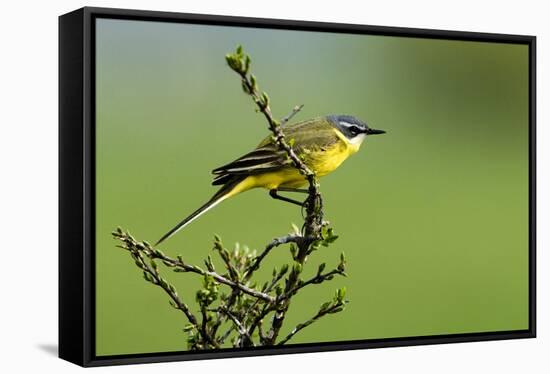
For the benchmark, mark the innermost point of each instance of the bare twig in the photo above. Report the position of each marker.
(248, 305)
(289, 116)
(237, 62)
(242, 330)
(154, 276)
(320, 278)
(184, 268)
(312, 229)
(181, 267)
(330, 310)
(228, 304)
(290, 238)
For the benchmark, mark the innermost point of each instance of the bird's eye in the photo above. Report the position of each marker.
(355, 130)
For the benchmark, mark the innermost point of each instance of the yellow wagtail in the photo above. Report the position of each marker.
(323, 143)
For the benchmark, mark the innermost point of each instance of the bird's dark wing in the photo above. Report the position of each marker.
(308, 136)
(260, 160)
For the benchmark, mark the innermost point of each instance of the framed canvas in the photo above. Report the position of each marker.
(371, 186)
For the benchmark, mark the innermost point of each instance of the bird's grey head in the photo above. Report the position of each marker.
(352, 127)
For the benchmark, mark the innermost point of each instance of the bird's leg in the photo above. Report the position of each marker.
(273, 193)
(300, 190)
(290, 189)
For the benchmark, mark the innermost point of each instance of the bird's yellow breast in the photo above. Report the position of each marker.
(325, 160)
(321, 160)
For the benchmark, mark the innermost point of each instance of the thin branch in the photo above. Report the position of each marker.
(226, 334)
(240, 63)
(332, 309)
(257, 322)
(262, 102)
(248, 306)
(184, 268)
(317, 279)
(261, 334)
(289, 116)
(158, 280)
(267, 308)
(228, 305)
(290, 238)
(226, 257)
(180, 266)
(154, 277)
(204, 331)
(242, 330)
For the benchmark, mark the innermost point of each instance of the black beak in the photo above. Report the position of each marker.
(374, 132)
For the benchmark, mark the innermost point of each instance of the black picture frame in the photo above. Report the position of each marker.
(77, 180)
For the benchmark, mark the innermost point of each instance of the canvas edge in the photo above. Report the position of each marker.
(71, 213)
(76, 335)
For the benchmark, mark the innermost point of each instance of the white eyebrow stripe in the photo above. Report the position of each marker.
(347, 124)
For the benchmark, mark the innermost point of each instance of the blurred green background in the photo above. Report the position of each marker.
(432, 216)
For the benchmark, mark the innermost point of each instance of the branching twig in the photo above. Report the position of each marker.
(290, 238)
(289, 116)
(247, 305)
(242, 330)
(313, 224)
(152, 275)
(181, 267)
(330, 310)
(240, 63)
(314, 280)
(320, 277)
(184, 268)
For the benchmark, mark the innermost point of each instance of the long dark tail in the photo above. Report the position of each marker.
(218, 197)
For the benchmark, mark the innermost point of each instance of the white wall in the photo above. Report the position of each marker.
(28, 184)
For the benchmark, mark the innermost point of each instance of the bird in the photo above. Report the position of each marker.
(323, 143)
